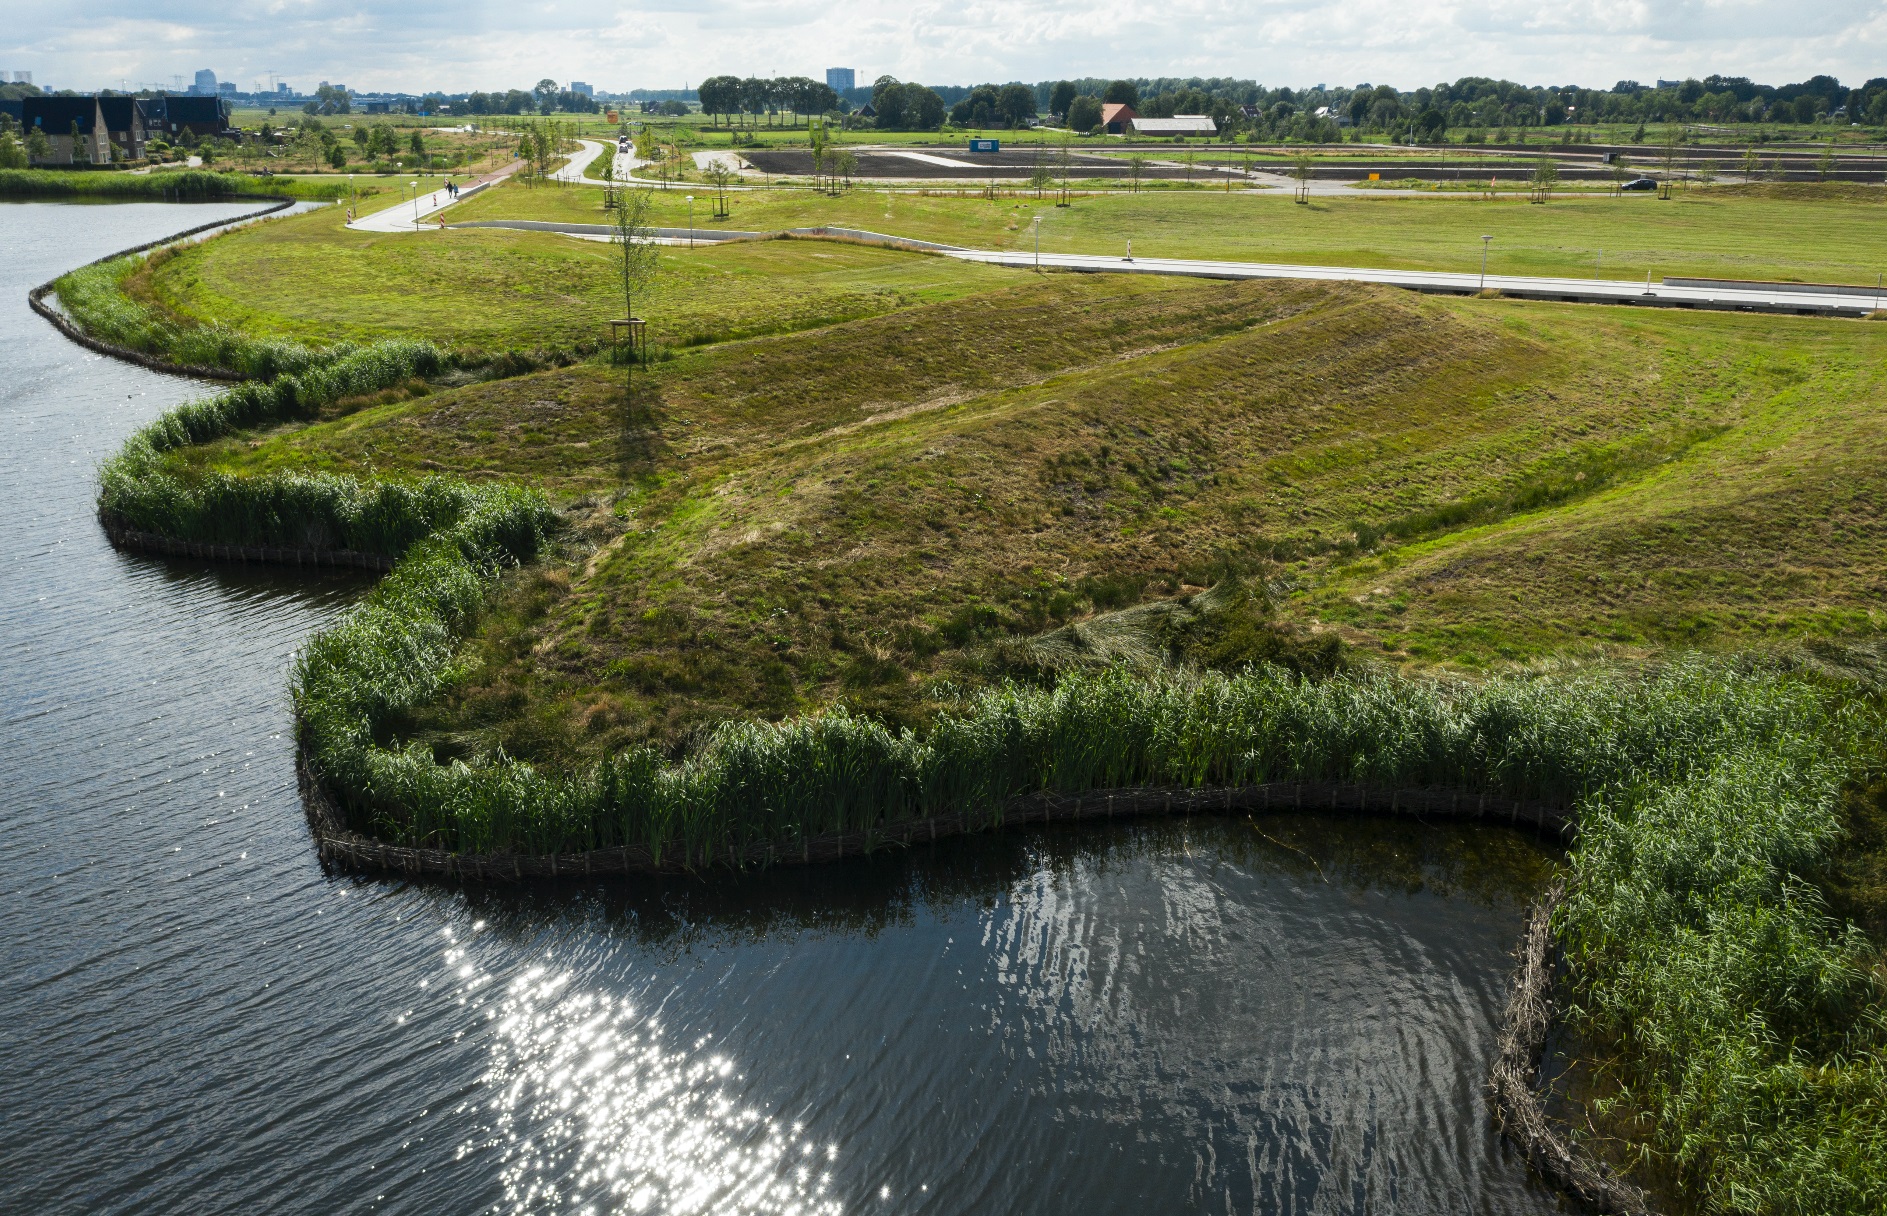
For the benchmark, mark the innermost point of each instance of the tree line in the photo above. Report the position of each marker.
(545, 98)
(731, 96)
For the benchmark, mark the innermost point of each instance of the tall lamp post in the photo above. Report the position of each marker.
(1037, 221)
(1484, 241)
(691, 221)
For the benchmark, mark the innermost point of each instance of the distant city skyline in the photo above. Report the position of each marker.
(430, 44)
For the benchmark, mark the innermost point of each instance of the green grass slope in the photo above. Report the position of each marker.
(776, 524)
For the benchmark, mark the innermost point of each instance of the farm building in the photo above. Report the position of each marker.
(1179, 124)
(1116, 116)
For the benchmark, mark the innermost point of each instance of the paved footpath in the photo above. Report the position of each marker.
(1719, 294)
(423, 213)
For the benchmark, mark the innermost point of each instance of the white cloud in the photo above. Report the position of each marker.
(664, 43)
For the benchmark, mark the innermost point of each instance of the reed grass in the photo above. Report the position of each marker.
(185, 185)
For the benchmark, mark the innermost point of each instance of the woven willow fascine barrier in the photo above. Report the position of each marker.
(36, 300)
(153, 542)
(1514, 1083)
(342, 846)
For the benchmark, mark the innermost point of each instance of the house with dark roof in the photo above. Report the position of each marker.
(73, 126)
(85, 130)
(124, 125)
(172, 116)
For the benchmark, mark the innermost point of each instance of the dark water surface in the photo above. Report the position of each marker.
(1271, 1016)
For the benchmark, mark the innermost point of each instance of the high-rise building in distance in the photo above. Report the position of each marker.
(582, 88)
(206, 83)
(22, 78)
(841, 79)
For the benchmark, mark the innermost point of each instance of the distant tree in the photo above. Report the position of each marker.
(1825, 167)
(417, 142)
(923, 109)
(12, 153)
(1122, 92)
(1136, 168)
(719, 178)
(1084, 113)
(1804, 108)
(336, 157)
(980, 108)
(546, 94)
(720, 95)
(1016, 104)
(38, 147)
(1545, 177)
(1061, 97)
(887, 97)
(755, 95)
(329, 99)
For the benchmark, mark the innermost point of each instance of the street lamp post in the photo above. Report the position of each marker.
(416, 202)
(691, 221)
(1484, 241)
(1038, 241)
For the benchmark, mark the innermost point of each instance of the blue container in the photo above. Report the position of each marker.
(986, 145)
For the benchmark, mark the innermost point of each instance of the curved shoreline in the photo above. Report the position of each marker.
(36, 300)
(1513, 1085)
(342, 846)
(1526, 1021)
(1525, 1024)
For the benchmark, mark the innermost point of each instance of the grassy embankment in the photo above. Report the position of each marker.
(784, 523)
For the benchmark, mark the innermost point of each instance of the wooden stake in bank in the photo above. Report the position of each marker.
(638, 336)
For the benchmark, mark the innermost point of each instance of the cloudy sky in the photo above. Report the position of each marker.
(455, 45)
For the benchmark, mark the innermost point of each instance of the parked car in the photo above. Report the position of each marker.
(1640, 183)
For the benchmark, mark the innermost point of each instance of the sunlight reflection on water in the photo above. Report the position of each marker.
(595, 1111)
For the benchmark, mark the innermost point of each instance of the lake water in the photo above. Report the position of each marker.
(1279, 1016)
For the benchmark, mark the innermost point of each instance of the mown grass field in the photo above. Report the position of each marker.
(309, 278)
(1798, 233)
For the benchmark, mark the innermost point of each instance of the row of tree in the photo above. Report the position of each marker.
(730, 96)
(546, 98)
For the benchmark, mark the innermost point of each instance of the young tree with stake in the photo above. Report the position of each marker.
(640, 260)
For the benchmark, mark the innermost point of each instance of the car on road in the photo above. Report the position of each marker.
(1640, 183)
